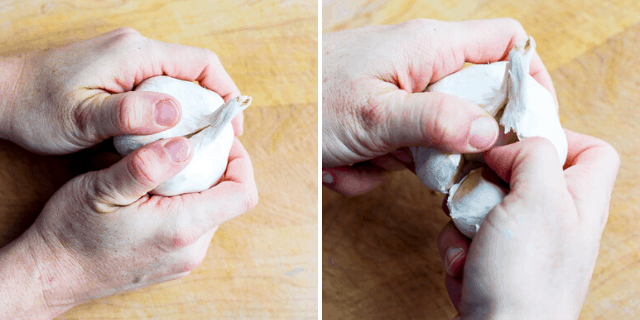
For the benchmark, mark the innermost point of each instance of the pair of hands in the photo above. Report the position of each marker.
(534, 256)
(102, 233)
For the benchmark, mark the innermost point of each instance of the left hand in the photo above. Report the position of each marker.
(374, 104)
(73, 97)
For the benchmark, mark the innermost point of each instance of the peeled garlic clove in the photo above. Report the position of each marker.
(471, 199)
(206, 122)
(531, 109)
(436, 169)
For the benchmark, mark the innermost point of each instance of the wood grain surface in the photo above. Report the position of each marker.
(262, 265)
(380, 259)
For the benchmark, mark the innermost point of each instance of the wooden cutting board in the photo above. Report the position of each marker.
(379, 256)
(262, 265)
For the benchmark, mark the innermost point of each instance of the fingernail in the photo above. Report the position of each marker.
(178, 149)
(402, 157)
(451, 257)
(166, 113)
(482, 132)
(327, 178)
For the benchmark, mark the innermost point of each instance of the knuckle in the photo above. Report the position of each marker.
(127, 116)
(371, 114)
(443, 121)
(140, 167)
(611, 152)
(127, 38)
(513, 24)
(415, 24)
(251, 197)
(182, 238)
(191, 262)
(126, 30)
(212, 57)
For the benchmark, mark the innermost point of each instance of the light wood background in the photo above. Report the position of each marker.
(262, 265)
(380, 259)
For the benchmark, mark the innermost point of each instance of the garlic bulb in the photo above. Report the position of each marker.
(524, 109)
(206, 122)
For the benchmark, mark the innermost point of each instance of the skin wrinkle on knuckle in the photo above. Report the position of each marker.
(138, 165)
(129, 108)
(443, 121)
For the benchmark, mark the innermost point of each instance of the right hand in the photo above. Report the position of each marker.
(534, 254)
(102, 233)
(373, 102)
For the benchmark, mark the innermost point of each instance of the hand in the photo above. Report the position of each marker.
(534, 254)
(373, 100)
(102, 234)
(70, 98)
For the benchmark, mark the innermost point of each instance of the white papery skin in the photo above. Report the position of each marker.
(529, 111)
(210, 148)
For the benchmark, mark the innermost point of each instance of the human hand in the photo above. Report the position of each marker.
(70, 98)
(373, 101)
(534, 254)
(102, 233)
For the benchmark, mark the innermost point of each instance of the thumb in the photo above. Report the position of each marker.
(529, 166)
(132, 112)
(445, 121)
(142, 171)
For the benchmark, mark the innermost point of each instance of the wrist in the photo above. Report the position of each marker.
(12, 70)
(25, 266)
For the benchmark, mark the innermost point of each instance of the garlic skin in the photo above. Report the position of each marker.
(471, 199)
(436, 169)
(206, 122)
(531, 110)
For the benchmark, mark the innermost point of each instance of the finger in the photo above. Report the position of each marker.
(539, 72)
(235, 195)
(448, 122)
(454, 288)
(133, 112)
(237, 123)
(453, 247)
(141, 171)
(592, 168)
(191, 64)
(353, 180)
(487, 41)
(388, 162)
(530, 166)
(188, 257)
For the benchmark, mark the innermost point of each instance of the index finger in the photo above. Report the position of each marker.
(487, 41)
(191, 64)
(592, 166)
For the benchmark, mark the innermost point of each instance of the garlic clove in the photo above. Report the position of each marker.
(436, 169)
(472, 199)
(531, 109)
